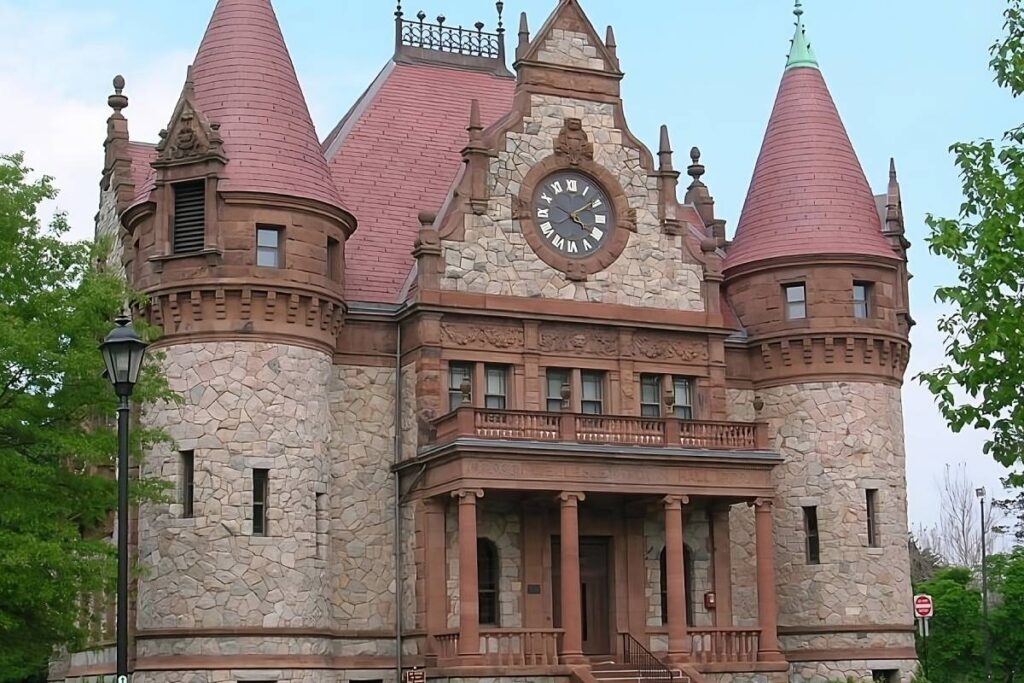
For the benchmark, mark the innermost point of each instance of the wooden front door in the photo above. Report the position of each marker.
(595, 592)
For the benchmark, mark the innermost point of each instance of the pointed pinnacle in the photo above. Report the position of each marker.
(665, 150)
(474, 126)
(609, 38)
(892, 168)
(800, 52)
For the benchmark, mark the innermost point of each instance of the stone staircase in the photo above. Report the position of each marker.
(615, 672)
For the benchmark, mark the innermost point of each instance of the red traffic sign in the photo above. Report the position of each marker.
(924, 608)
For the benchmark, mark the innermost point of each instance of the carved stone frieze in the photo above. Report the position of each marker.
(190, 137)
(665, 347)
(577, 340)
(483, 336)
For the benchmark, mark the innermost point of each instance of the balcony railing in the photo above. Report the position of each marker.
(506, 646)
(719, 645)
(523, 425)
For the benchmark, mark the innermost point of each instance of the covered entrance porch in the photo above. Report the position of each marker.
(533, 564)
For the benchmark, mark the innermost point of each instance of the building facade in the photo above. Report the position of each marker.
(472, 386)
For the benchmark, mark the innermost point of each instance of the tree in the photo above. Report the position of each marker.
(957, 537)
(57, 442)
(924, 561)
(1007, 613)
(954, 646)
(979, 385)
(1014, 509)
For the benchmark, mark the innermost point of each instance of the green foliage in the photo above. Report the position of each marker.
(1006, 585)
(954, 647)
(979, 385)
(57, 436)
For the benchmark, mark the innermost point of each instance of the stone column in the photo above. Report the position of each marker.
(436, 590)
(572, 609)
(469, 592)
(675, 579)
(767, 609)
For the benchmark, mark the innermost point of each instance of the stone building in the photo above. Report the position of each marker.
(472, 380)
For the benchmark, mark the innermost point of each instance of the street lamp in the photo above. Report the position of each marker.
(123, 351)
(980, 492)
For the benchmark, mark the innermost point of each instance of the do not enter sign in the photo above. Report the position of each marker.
(924, 608)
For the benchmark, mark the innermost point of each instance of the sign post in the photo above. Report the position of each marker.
(924, 610)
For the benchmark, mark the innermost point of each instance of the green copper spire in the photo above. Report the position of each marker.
(800, 53)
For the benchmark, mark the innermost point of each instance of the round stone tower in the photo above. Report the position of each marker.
(238, 238)
(817, 276)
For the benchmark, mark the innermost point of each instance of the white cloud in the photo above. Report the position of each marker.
(55, 100)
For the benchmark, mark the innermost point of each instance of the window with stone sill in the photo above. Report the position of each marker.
(333, 260)
(268, 246)
(592, 383)
(557, 386)
(795, 298)
(812, 541)
(260, 501)
(651, 396)
(496, 387)
(187, 482)
(862, 300)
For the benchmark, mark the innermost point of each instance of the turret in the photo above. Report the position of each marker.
(820, 290)
(243, 198)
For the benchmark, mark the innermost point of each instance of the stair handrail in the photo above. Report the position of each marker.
(647, 665)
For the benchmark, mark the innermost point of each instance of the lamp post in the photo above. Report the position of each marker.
(123, 351)
(984, 587)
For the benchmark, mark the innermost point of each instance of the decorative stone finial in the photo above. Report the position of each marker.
(501, 8)
(466, 389)
(609, 39)
(892, 169)
(524, 35)
(118, 101)
(190, 85)
(665, 150)
(475, 126)
(696, 169)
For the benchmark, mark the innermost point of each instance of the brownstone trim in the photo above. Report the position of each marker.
(571, 311)
(261, 632)
(851, 653)
(815, 259)
(844, 628)
(292, 203)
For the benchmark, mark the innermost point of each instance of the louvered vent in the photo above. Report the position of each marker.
(189, 217)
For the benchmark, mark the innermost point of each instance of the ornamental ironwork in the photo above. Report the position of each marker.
(472, 42)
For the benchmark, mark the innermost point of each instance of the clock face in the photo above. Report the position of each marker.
(573, 213)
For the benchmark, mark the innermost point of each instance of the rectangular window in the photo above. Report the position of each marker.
(796, 301)
(268, 246)
(321, 525)
(260, 495)
(811, 535)
(871, 498)
(557, 381)
(592, 402)
(333, 259)
(189, 229)
(496, 389)
(187, 473)
(650, 395)
(682, 390)
(862, 300)
(459, 374)
(885, 676)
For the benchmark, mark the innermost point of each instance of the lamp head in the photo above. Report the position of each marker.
(123, 351)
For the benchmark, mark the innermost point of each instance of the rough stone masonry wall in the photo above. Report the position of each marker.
(654, 269)
(246, 405)
(743, 559)
(838, 439)
(263, 676)
(108, 226)
(362, 516)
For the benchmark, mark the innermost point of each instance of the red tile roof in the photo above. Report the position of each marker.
(808, 194)
(142, 154)
(396, 154)
(245, 81)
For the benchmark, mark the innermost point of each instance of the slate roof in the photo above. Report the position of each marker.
(245, 81)
(809, 194)
(396, 154)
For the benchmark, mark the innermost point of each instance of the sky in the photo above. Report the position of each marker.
(910, 77)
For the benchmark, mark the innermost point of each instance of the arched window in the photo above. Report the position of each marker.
(687, 578)
(488, 571)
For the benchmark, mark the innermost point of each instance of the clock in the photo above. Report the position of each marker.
(573, 213)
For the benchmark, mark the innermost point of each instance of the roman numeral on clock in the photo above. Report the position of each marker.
(573, 247)
(547, 229)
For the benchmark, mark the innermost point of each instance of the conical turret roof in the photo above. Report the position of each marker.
(244, 80)
(808, 194)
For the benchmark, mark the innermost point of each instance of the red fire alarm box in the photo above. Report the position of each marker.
(709, 600)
